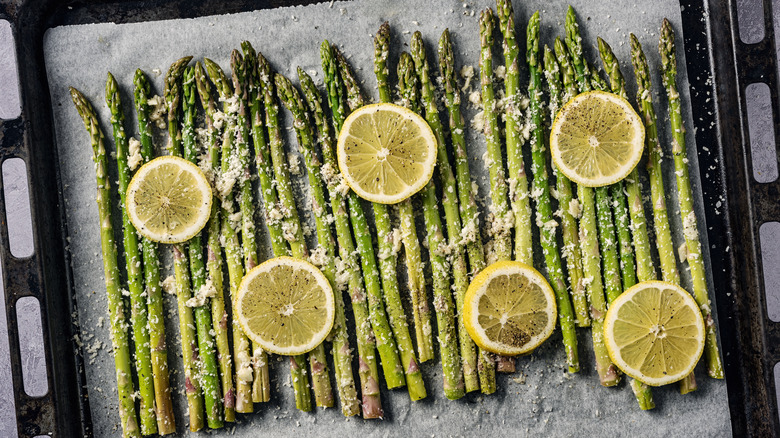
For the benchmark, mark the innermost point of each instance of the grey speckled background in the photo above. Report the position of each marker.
(535, 408)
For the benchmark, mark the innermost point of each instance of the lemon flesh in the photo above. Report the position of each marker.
(286, 306)
(386, 152)
(654, 332)
(597, 139)
(509, 308)
(169, 200)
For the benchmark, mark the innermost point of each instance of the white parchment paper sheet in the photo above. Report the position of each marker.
(541, 398)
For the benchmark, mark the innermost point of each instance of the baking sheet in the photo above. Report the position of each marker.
(541, 397)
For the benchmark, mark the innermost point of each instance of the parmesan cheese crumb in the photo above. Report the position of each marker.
(158, 111)
(169, 285)
(204, 293)
(134, 157)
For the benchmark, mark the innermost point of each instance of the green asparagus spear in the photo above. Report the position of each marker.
(262, 158)
(341, 350)
(621, 220)
(213, 248)
(501, 219)
(596, 81)
(518, 179)
(606, 233)
(663, 233)
(261, 383)
(293, 233)
(666, 46)
(408, 87)
(135, 283)
(116, 313)
(454, 387)
(292, 99)
(608, 374)
(645, 269)
(387, 258)
(608, 244)
(180, 260)
(540, 187)
(414, 264)
(501, 227)
(208, 372)
(241, 348)
(386, 344)
(475, 366)
(368, 368)
(166, 423)
(568, 208)
(644, 262)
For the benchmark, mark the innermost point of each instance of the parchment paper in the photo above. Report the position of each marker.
(541, 398)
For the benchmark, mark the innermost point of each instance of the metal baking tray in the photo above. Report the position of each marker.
(719, 66)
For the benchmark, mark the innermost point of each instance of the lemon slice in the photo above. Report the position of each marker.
(509, 308)
(386, 152)
(654, 332)
(597, 139)
(286, 306)
(169, 200)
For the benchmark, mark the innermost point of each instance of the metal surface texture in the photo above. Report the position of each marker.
(719, 66)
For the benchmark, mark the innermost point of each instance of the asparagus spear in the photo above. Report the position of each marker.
(596, 81)
(262, 158)
(667, 49)
(121, 345)
(608, 244)
(386, 344)
(289, 97)
(501, 219)
(293, 233)
(501, 228)
(367, 369)
(261, 384)
(181, 267)
(453, 371)
(408, 87)
(474, 360)
(568, 207)
(620, 224)
(606, 233)
(214, 251)
(341, 350)
(387, 260)
(644, 262)
(645, 269)
(574, 76)
(518, 179)
(606, 226)
(166, 423)
(414, 264)
(540, 187)
(230, 242)
(135, 284)
(208, 373)
(342, 357)
(657, 193)
(261, 391)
